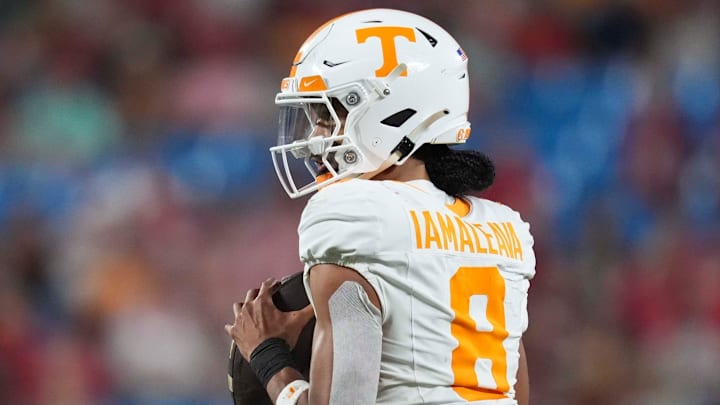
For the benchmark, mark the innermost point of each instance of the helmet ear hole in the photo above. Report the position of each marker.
(399, 118)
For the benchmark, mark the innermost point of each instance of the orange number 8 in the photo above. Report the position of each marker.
(480, 344)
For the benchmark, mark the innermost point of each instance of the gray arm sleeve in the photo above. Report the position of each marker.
(357, 346)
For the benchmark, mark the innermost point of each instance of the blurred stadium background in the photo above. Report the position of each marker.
(138, 199)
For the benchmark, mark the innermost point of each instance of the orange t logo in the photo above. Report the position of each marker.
(387, 42)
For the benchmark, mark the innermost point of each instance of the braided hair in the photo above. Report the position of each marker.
(456, 172)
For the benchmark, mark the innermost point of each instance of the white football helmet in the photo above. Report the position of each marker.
(381, 83)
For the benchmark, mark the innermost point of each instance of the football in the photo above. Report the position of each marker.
(244, 386)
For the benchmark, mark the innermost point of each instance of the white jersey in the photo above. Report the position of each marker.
(452, 277)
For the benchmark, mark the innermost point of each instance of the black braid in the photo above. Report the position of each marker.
(456, 172)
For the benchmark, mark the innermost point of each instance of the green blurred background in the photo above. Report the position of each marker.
(138, 199)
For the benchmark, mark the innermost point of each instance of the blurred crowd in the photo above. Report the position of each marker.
(138, 198)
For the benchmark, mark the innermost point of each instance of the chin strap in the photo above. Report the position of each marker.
(406, 144)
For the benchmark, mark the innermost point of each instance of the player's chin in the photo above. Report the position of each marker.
(320, 163)
(323, 176)
(322, 170)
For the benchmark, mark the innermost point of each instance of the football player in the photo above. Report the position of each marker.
(418, 288)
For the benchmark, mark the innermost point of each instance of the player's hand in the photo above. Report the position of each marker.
(257, 319)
